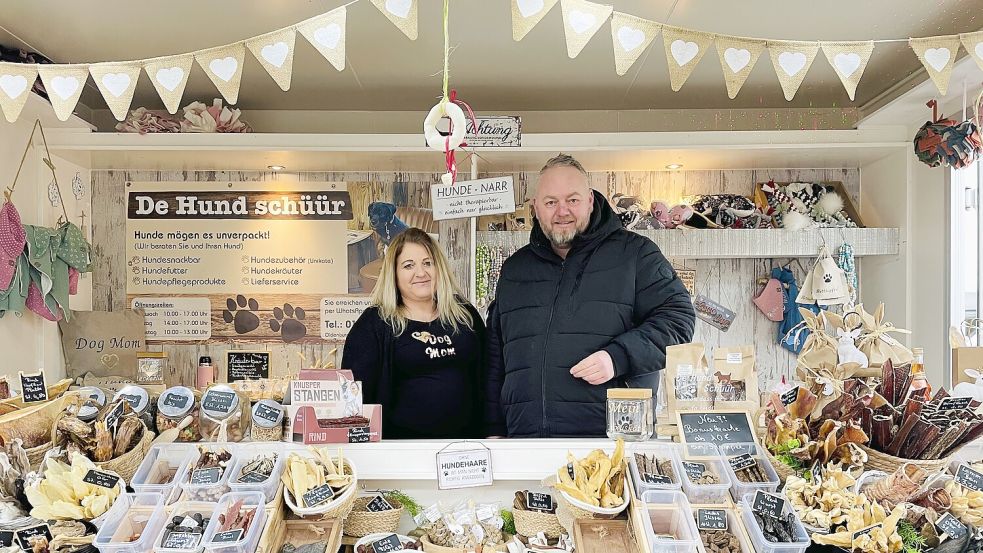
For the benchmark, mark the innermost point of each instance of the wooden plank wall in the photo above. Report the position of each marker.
(731, 282)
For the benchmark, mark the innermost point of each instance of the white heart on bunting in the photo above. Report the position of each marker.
(737, 58)
(13, 85)
(275, 54)
(328, 36)
(847, 63)
(792, 62)
(529, 8)
(170, 77)
(581, 22)
(683, 51)
(938, 58)
(979, 49)
(399, 8)
(116, 83)
(630, 38)
(224, 68)
(64, 87)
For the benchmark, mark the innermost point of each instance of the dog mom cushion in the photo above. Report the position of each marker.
(104, 343)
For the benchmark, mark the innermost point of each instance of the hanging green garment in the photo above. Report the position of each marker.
(14, 298)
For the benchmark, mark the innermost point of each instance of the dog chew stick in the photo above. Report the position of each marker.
(946, 439)
(974, 431)
(902, 383)
(887, 381)
(912, 408)
(940, 394)
(866, 420)
(881, 431)
(920, 437)
(901, 436)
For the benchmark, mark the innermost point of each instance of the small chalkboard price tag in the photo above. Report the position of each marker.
(206, 476)
(378, 504)
(865, 531)
(228, 537)
(176, 401)
(741, 462)
(101, 479)
(218, 401)
(317, 496)
(248, 365)
(133, 400)
(789, 397)
(694, 470)
(32, 387)
(24, 536)
(359, 435)
(387, 544)
(658, 479)
(954, 403)
(951, 525)
(767, 504)
(711, 519)
(254, 477)
(969, 478)
(268, 413)
(6, 538)
(114, 414)
(542, 502)
(181, 540)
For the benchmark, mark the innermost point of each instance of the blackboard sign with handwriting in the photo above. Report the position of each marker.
(716, 427)
(33, 388)
(711, 519)
(767, 504)
(248, 365)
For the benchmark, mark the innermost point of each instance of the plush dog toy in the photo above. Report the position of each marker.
(385, 223)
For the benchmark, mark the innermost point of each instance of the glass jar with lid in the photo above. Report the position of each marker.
(93, 400)
(629, 414)
(139, 400)
(267, 421)
(173, 406)
(224, 415)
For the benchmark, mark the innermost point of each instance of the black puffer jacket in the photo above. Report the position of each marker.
(615, 291)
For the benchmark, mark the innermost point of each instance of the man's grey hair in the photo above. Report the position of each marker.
(563, 160)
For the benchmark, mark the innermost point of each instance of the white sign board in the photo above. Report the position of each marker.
(468, 468)
(504, 131)
(338, 315)
(473, 198)
(176, 318)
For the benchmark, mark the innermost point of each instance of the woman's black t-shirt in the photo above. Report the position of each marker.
(434, 377)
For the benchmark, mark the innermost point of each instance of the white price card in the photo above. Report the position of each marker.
(187, 319)
(473, 198)
(464, 468)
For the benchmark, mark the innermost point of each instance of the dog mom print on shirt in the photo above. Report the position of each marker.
(439, 346)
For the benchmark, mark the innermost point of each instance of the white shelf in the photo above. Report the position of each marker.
(757, 243)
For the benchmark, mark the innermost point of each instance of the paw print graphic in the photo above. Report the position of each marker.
(625, 422)
(288, 322)
(240, 312)
(827, 278)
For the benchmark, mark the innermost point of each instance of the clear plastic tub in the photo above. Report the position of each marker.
(669, 524)
(739, 489)
(246, 453)
(249, 539)
(212, 491)
(735, 526)
(709, 455)
(132, 514)
(660, 451)
(162, 469)
(185, 509)
(762, 545)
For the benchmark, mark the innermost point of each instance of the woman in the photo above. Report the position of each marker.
(419, 349)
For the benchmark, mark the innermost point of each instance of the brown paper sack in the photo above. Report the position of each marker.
(687, 377)
(820, 346)
(876, 341)
(735, 380)
(104, 343)
(963, 359)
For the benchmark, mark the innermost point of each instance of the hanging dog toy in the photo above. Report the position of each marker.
(451, 108)
(945, 142)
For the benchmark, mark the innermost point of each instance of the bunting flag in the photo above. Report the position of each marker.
(792, 60)
(403, 14)
(275, 52)
(223, 65)
(849, 60)
(581, 21)
(64, 85)
(684, 50)
(16, 81)
(526, 14)
(631, 36)
(117, 82)
(327, 34)
(973, 43)
(737, 58)
(169, 76)
(937, 54)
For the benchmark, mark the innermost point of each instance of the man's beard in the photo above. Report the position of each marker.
(565, 238)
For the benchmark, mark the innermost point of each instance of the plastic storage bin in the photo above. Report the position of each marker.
(668, 513)
(761, 545)
(735, 526)
(249, 539)
(213, 491)
(132, 514)
(246, 453)
(185, 509)
(708, 454)
(660, 451)
(739, 489)
(162, 469)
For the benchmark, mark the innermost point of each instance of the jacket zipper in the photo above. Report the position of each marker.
(549, 324)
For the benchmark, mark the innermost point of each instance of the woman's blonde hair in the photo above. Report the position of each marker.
(386, 295)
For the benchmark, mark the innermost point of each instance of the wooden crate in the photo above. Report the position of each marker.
(273, 532)
(851, 210)
(302, 532)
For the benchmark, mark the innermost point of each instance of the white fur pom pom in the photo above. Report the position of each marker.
(831, 203)
(793, 220)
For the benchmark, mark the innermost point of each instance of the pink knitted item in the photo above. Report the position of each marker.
(12, 242)
(35, 302)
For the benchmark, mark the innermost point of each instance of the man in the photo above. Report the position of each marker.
(584, 307)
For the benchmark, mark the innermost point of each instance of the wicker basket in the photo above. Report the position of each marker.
(530, 523)
(34, 424)
(338, 508)
(16, 403)
(429, 547)
(361, 522)
(783, 470)
(877, 460)
(126, 465)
